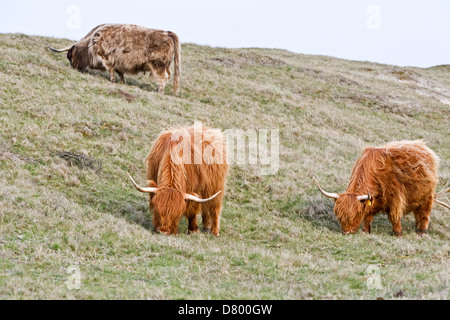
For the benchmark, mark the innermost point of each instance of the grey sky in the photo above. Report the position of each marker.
(400, 32)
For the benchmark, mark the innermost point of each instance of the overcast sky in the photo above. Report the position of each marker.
(400, 32)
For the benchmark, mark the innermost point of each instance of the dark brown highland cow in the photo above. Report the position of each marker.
(397, 178)
(184, 167)
(127, 48)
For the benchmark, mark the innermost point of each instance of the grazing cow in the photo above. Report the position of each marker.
(126, 48)
(186, 169)
(397, 178)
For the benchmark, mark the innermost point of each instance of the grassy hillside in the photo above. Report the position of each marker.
(279, 238)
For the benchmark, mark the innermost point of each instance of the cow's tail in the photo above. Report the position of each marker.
(439, 195)
(177, 61)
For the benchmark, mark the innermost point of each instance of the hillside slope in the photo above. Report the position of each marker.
(279, 238)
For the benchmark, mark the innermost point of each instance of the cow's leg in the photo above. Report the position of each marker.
(193, 225)
(214, 211)
(168, 72)
(122, 79)
(112, 76)
(192, 210)
(162, 77)
(158, 75)
(395, 217)
(162, 80)
(206, 219)
(160, 88)
(422, 216)
(367, 223)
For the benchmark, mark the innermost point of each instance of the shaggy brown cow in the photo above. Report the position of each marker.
(126, 48)
(397, 178)
(184, 167)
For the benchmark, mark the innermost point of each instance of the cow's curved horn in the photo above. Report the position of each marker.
(145, 190)
(59, 50)
(188, 196)
(442, 204)
(326, 194)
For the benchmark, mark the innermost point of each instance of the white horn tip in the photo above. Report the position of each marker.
(138, 187)
(197, 199)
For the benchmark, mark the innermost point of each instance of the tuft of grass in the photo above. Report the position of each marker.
(279, 238)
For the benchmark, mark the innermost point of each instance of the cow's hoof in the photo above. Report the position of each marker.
(206, 230)
(421, 232)
(398, 234)
(193, 231)
(215, 233)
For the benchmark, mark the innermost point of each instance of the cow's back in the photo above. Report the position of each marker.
(204, 172)
(413, 161)
(130, 47)
(413, 171)
(209, 176)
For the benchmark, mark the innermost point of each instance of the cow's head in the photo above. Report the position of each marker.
(168, 204)
(349, 208)
(77, 55)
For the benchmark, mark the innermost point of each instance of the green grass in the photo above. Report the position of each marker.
(279, 238)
